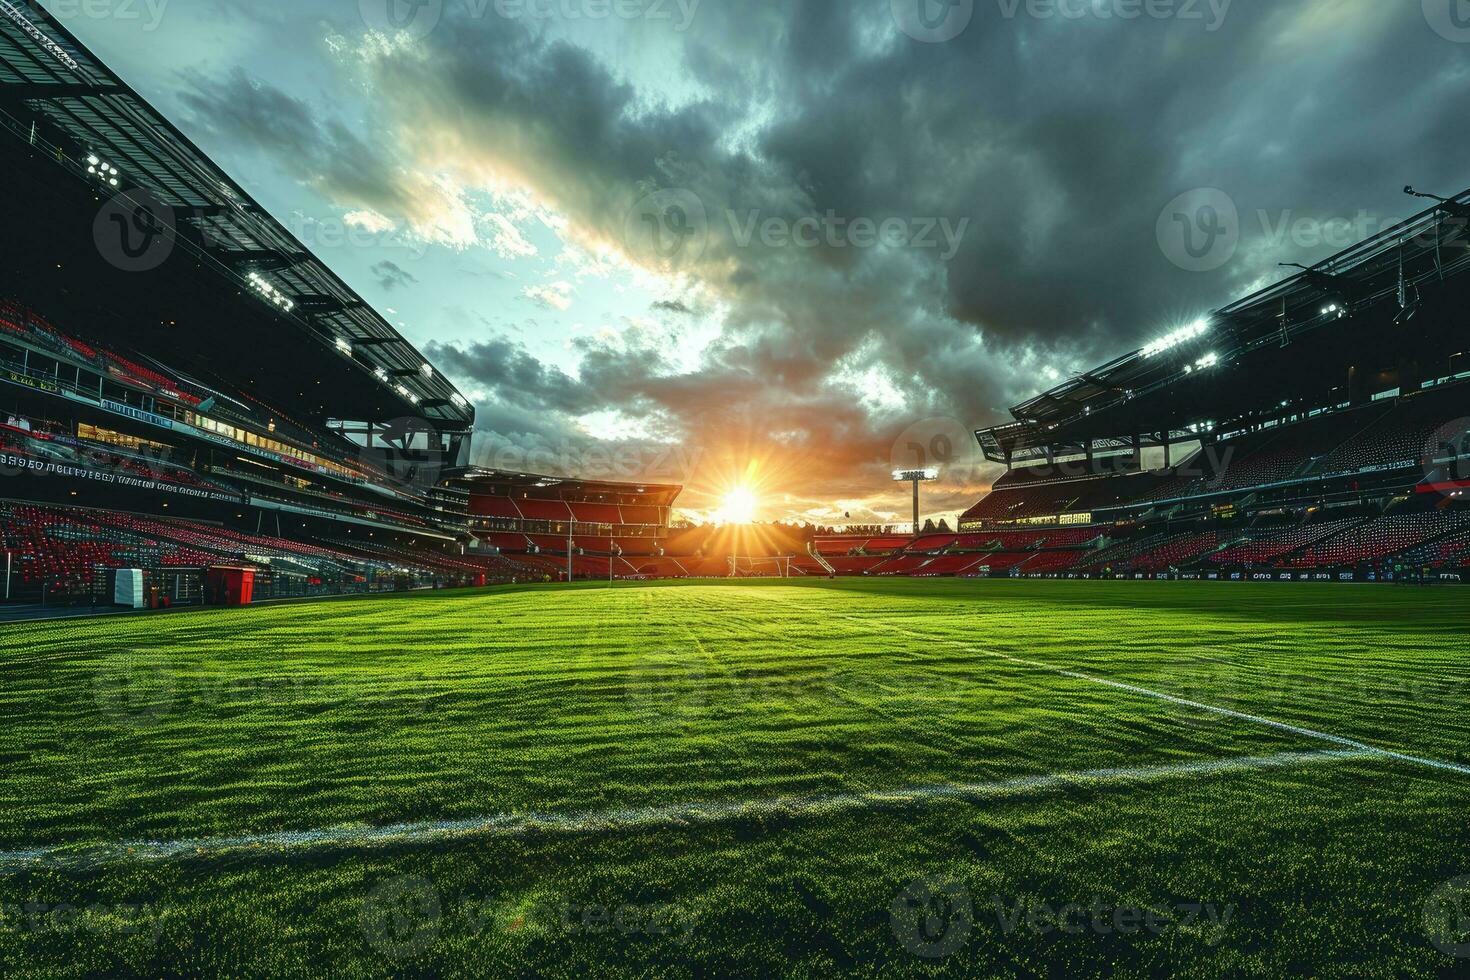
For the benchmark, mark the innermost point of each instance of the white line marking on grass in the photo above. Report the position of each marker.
(639, 818)
(1160, 695)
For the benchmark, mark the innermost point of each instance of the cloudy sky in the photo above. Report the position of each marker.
(792, 243)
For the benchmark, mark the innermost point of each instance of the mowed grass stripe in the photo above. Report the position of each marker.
(1398, 685)
(682, 815)
(450, 707)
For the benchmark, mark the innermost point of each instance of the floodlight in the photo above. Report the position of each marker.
(1173, 339)
(268, 290)
(916, 477)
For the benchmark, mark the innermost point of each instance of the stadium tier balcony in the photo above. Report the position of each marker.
(641, 514)
(485, 505)
(1020, 496)
(839, 546)
(595, 513)
(1012, 500)
(507, 541)
(933, 543)
(1027, 540)
(543, 510)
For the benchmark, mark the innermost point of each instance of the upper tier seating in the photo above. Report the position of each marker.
(543, 510)
(1396, 439)
(1019, 496)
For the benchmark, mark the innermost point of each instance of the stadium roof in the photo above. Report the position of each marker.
(46, 73)
(1203, 367)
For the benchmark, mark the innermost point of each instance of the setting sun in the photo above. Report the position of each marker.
(738, 507)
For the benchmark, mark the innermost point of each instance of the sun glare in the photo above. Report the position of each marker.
(738, 507)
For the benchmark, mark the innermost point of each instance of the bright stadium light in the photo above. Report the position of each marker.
(380, 374)
(344, 346)
(916, 477)
(268, 290)
(102, 170)
(1181, 336)
(428, 370)
(1208, 361)
(459, 400)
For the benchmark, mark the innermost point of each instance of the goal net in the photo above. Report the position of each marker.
(759, 567)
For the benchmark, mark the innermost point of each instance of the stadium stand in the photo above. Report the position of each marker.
(243, 406)
(1379, 538)
(1265, 545)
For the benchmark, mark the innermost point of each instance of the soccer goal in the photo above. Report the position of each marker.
(759, 567)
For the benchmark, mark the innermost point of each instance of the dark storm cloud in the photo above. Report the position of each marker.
(391, 275)
(322, 152)
(1059, 140)
(512, 376)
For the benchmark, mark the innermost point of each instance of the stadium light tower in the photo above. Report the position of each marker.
(915, 477)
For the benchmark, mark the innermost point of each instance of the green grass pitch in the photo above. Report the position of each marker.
(874, 778)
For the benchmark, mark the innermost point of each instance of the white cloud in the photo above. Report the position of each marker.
(369, 220)
(552, 296)
(505, 239)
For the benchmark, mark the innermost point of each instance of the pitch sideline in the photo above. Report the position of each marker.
(74, 858)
